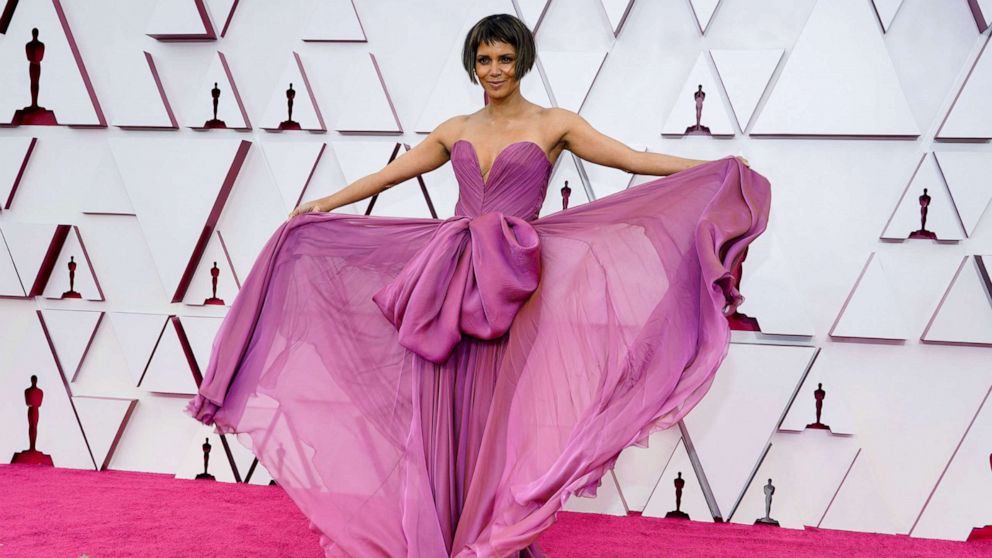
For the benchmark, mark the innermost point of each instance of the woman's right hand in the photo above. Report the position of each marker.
(308, 207)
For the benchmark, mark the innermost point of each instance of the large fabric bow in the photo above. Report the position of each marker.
(471, 277)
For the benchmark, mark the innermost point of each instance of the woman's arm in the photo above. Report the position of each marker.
(593, 146)
(426, 156)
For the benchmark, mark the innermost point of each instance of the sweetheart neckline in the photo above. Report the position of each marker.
(478, 164)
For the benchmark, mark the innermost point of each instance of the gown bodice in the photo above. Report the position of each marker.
(516, 185)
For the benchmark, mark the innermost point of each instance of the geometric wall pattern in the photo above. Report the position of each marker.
(849, 107)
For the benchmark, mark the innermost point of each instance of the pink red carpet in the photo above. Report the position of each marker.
(63, 512)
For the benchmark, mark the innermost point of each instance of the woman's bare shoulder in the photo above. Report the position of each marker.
(451, 130)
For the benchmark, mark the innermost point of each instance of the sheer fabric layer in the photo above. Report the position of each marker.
(391, 454)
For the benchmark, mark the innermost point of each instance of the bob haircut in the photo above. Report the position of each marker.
(503, 28)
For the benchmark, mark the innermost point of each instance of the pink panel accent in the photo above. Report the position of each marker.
(45, 270)
(20, 173)
(209, 34)
(89, 263)
(82, 68)
(162, 95)
(7, 15)
(980, 19)
(187, 350)
(234, 89)
(313, 98)
(227, 256)
(964, 84)
(389, 99)
(208, 227)
(230, 16)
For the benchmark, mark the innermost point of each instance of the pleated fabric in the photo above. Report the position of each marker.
(427, 387)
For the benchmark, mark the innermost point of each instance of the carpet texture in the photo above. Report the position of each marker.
(53, 512)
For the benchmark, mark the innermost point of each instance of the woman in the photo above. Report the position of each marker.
(425, 387)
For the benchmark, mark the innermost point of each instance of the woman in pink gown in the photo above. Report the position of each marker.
(428, 387)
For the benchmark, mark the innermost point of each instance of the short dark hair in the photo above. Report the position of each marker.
(503, 28)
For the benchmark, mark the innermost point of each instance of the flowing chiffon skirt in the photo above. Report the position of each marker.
(391, 454)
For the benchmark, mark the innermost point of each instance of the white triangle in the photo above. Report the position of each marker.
(962, 498)
(71, 333)
(886, 11)
(28, 244)
(361, 158)
(740, 413)
(873, 309)
(64, 86)
(221, 12)
(177, 188)
(200, 332)
(532, 12)
(942, 219)
(703, 11)
(968, 175)
(107, 194)
(617, 12)
(137, 335)
(745, 75)
(714, 114)
(969, 117)
(805, 470)
(769, 284)
(292, 165)
(367, 107)
(141, 101)
(230, 107)
(218, 465)
(835, 412)
(571, 75)
(102, 419)
(26, 352)
(334, 21)
(84, 280)
(305, 110)
(10, 282)
(964, 315)
(175, 21)
(832, 87)
(201, 286)
(14, 155)
(608, 499)
(169, 370)
(638, 469)
(662, 499)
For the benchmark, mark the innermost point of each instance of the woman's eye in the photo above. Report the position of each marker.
(506, 59)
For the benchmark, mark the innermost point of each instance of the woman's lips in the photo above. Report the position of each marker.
(496, 83)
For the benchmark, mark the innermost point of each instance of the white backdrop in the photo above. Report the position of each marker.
(849, 107)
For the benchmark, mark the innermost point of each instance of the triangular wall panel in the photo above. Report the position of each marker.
(964, 315)
(367, 107)
(873, 309)
(334, 21)
(71, 333)
(64, 85)
(178, 189)
(745, 75)
(969, 117)
(693, 501)
(306, 112)
(15, 152)
(713, 114)
(230, 107)
(805, 99)
(968, 175)
(63, 282)
(942, 217)
(144, 104)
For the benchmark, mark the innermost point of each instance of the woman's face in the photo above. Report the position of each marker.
(494, 66)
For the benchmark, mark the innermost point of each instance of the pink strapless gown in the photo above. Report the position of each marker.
(426, 387)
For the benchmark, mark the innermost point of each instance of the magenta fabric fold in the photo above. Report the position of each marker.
(470, 278)
(427, 387)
